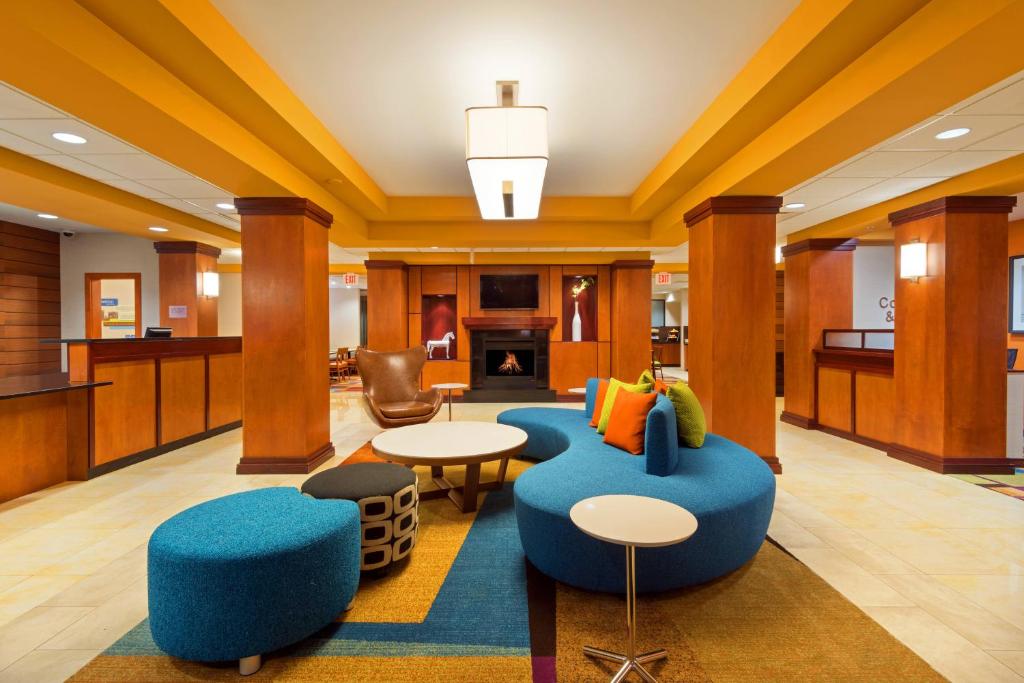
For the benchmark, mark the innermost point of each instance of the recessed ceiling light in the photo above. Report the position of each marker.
(952, 133)
(795, 205)
(69, 138)
(225, 206)
(157, 228)
(47, 216)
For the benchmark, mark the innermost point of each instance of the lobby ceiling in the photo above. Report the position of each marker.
(391, 79)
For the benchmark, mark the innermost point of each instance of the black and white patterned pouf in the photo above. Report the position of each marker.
(388, 499)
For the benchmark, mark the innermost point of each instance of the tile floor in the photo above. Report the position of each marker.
(937, 561)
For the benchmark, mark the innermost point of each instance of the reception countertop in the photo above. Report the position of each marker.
(17, 387)
(131, 340)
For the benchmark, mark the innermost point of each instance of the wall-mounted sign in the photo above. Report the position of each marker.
(889, 307)
(663, 278)
(350, 279)
(177, 312)
(108, 302)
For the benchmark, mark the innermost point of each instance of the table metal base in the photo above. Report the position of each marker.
(630, 660)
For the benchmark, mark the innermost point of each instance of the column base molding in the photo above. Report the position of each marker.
(773, 462)
(954, 465)
(798, 420)
(282, 465)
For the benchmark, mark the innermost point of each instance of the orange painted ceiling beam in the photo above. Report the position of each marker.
(39, 186)
(816, 41)
(72, 59)
(538, 233)
(1004, 177)
(944, 53)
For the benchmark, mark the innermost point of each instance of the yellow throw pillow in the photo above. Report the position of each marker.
(609, 400)
(646, 377)
(689, 415)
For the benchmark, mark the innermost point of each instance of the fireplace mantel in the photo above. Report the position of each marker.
(509, 323)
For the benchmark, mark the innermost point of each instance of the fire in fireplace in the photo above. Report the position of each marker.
(511, 366)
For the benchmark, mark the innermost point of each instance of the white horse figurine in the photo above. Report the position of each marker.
(445, 341)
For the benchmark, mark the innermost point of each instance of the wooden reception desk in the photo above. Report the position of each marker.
(44, 427)
(162, 394)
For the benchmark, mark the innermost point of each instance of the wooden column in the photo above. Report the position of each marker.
(182, 265)
(818, 295)
(950, 356)
(630, 318)
(732, 318)
(387, 305)
(286, 406)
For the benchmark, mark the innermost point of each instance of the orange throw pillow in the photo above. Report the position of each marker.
(628, 421)
(660, 386)
(602, 391)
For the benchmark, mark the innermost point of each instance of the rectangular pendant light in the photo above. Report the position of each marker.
(507, 155)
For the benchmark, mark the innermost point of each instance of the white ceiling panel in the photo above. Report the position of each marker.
(226, 221)
(823, 190)
(1006, 100)
(1012, 139)
(17, 105)
(981, 127)
(181, 205)
(20, 144)
(884, 164)
(185, 187)
(956, 163)
(135, 166)
(210, 204)
(78, 166)
(41, 132)
(136, 188)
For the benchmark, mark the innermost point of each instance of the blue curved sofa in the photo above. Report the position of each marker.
(728, 488)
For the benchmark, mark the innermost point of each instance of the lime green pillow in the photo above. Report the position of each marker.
(646, 377)
(609, 399)
(689, 415)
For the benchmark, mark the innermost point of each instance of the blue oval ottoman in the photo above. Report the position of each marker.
(727, 487)
(238, 576)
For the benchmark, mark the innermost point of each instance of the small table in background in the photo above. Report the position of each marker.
(632, 521)
(449, 387)
(578, 390)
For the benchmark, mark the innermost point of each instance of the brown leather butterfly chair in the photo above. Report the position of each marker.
(391, 387)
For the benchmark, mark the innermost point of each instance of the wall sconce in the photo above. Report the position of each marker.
(211, 284)
(913, 260)
(778, 254)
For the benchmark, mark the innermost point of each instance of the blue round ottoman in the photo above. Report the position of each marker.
(249, 573)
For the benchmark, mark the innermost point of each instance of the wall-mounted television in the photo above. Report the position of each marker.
(509, 291)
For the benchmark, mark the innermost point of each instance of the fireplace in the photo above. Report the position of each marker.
(508, 365)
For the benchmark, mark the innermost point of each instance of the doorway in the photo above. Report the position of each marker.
(113, 305)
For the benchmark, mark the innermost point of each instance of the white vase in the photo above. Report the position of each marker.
(577, 324)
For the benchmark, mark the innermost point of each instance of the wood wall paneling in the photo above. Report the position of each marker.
(286, 405)
(604, 304)
(555, 302)
(415, 284)
(874, 406)
(124, 420)
(462, 302)
(731, 352)
(835, 391)
(439, 280)
(225, 378)
(387, 306)
(630, 320)
(572, 364)
(604, 359)
(182, 397)
(29, 300)
(415, 329)
(443, 371)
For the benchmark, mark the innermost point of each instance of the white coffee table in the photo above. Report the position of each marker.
(450, 386)
(632, 521)
(448, 444)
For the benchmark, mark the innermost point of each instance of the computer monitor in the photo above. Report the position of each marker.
(1011, 358)
(152, 332)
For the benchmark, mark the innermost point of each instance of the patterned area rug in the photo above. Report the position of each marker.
(1006, 484)
(467, 607)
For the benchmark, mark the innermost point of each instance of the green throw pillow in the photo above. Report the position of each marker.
(689, 415)
(646, 377)
(609, 399)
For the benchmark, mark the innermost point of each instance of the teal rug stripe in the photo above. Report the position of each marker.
(480, 610)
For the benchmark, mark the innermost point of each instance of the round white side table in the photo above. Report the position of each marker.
(449, 387)
(632, 521)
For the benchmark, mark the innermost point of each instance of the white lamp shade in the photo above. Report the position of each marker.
(211, 283)
(507, 147)
(913, 260)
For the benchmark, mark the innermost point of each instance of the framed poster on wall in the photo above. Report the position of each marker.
(1017, 294)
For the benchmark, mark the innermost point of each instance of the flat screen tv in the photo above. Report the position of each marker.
(508, 291)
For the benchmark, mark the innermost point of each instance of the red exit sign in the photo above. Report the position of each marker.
(663, 278)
